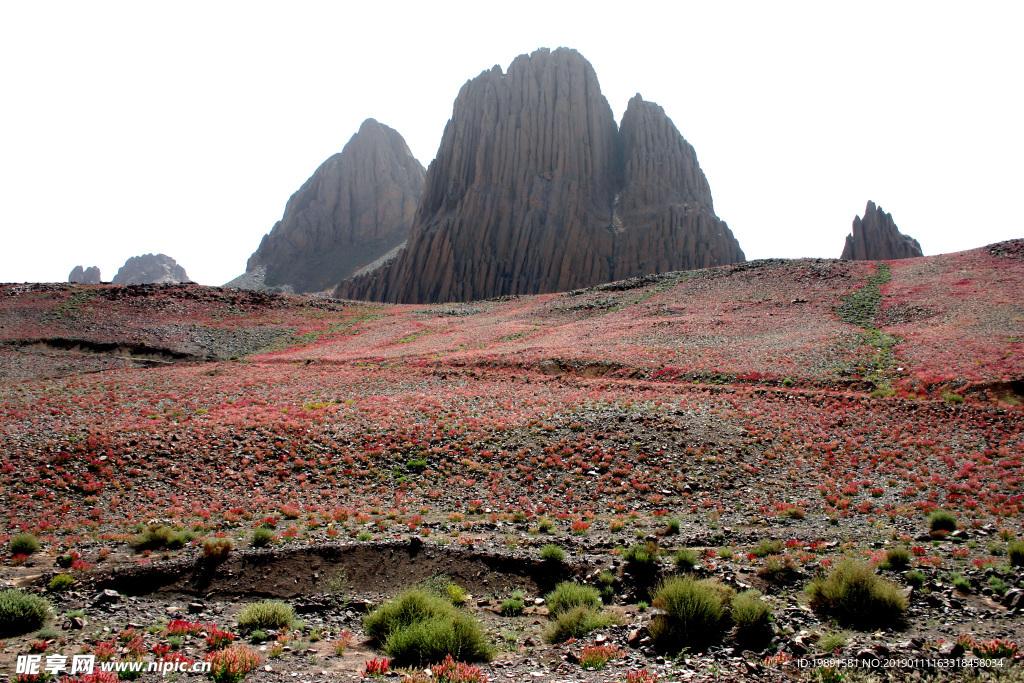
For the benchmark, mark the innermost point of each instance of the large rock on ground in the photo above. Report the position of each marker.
(535, 189)
(876, 237)
(355, 208)
(150, 269)
(86, 276)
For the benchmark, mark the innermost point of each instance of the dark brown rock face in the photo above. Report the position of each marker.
(87, 276)
(354, 209)
(150, 269)
(535, 189)
(876, 237)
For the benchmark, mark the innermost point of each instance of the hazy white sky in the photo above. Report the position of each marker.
(183, 128)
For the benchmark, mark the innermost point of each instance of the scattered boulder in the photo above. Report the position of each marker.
(535, 189)
(357, 207)
(86, 276)
(151, 269)
(876, 238)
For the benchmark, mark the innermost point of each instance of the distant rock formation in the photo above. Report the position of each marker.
(355, 208)
(150, 269)
(87, 276)
(876, 237)
(535, 189)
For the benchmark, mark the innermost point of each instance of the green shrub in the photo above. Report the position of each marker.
(751, 616)
(643, 555)
(570, 594)
(914, 578)
(767, 547)
(512, 607)
(48, 633)
(545, 526)
(856, 596)
(694, 613)
(217, 547)
(576, 623)
(749, 611)
(552, 553)
(779, 569)
(267, 614)
(997, 585)
(897, 558)
(262, 537)
(831, 642)
(961, 584)
(419, 627)
(23, 544)
(180, 540)
(941, 520)
(686, 559)
(1015, 552)
(21, 612)
(673, 527)
(456, 594)
(61, 582)
(153, 537)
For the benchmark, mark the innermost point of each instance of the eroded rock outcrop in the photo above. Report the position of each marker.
(356, 207)
(150, 269)
(85, 276)
(876, 237)
(535, 189)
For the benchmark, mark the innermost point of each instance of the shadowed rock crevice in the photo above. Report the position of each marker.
(356, 207)
(535, 189)
(876, 237)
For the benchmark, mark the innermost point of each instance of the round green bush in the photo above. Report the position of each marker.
(262, 537)
(23, 544)
(267, 614)
(570, 594)
(694, 613)
(552, 553)
(752, 617)
(61, 582)
(576, 623)
(1015, 552)
(941, 520)
(419, 627)
(854, 595)
(21, 612)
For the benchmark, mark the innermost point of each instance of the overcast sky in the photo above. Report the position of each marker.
(183, 128)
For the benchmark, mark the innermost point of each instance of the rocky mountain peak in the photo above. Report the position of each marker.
(85, 276)
(876, 237)
(150, 269)
(535, 189)
(357, 206)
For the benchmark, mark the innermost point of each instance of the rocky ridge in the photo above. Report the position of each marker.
(535, 189)
(355, 208)
(151, 269)
(86, 276)
(876, 237)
